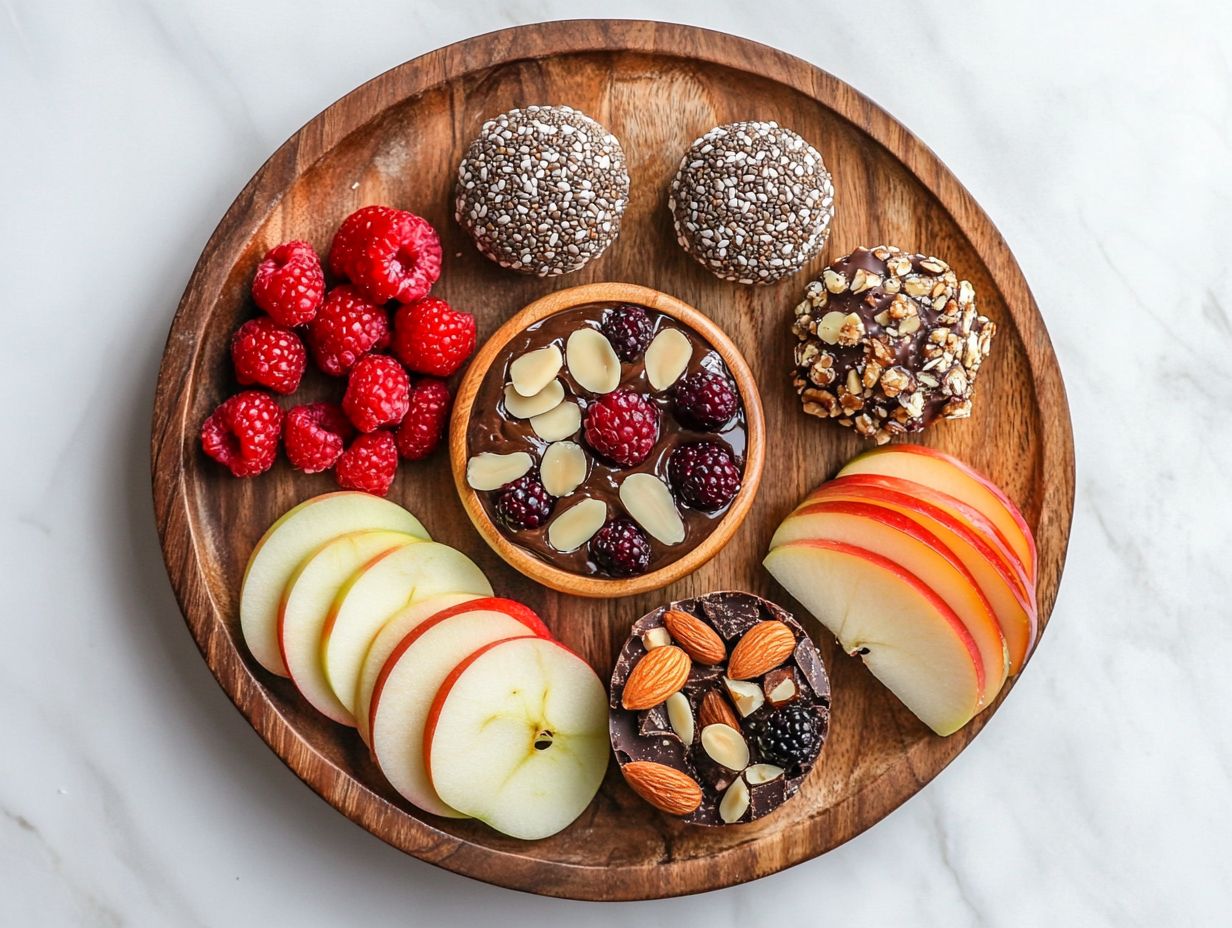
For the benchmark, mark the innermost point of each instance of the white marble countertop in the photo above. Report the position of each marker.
(1099, 138)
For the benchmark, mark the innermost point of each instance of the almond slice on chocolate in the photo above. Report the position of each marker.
(525, 407)
(491, 471)
(575, 526)
(726, 746)
(560, 422)
(667, 357)
(762, 773)
(535, 370)
(656, 638)
(592, 361)
(650, 503)
(735, 802)
(680, 716)
(563, 468)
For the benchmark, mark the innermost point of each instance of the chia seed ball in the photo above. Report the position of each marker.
(752, 202)
(542, 189)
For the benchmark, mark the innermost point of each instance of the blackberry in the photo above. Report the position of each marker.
(621, 548)
(706, 399)
(628, 328)
(524, 503)
(789, 737)
(704, 475)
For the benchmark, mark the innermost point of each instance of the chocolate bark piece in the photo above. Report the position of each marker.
(648, 735)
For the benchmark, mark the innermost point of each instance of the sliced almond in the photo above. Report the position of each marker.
(563, 467)
(656, 638)
(726, 746)
(735, 802)
(656, 676)
(649, 501)
(524, 407)
(592, 361)
(491, 471)
(575, 526)
(680, 715)
(748, 697)
(666, 788)
(667, 357)
(535, 370)
(762, 773)
(562, 421)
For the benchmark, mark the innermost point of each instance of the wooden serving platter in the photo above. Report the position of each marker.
(397, 140)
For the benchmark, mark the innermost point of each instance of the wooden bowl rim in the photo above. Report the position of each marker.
(559, 301)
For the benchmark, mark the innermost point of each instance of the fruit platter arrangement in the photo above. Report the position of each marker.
(611, 460)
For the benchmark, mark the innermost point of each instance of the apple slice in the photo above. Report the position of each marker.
(409, 682)
(906, 634)
(407, 620)
(306, 603)
(946, 473)
(517, 737)
(292, 538)
(920, 552)
(379, 589)
(995, 569)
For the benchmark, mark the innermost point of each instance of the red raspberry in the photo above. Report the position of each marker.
(621, 549)
(430, 337)
(315, 435)
(706, 400)
(525, 503)
(289, 283)
(345, 329)
(424, 424)
(388, 254)
(623, 426)
(377, 394)
(369, 464)
(243, 432)
(704, 475)
(269, 355)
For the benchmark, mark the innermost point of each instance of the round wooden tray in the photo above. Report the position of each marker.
(398, 139)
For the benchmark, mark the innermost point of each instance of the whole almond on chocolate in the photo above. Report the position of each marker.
(656, 676)
(666, 788)
(699, 640)
(714, 710)
(763, 647)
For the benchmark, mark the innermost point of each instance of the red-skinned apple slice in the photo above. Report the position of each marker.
(407, 685)
(946, 473)
(995, 569)
(920, 552)
(306, 603)
(383, 586)
(907, 636)
(286, 543)
(517, 737)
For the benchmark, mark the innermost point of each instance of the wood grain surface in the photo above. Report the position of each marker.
(397, 140)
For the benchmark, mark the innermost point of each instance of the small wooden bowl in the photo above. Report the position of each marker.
(563, 580)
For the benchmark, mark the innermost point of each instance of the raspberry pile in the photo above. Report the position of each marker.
(394, 403)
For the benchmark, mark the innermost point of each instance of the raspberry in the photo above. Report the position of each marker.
(623, 426)
(314, 436)
(704, 475)
(243, 432)
(388, 254)
(345, 329)
(377, 393)
(369, 464)
(268, 355)
(424, 425)
(525, 503)
(705, 399)
(289, 283)
(789, 737)
(432, 338)
(621, 548)
(628, 328)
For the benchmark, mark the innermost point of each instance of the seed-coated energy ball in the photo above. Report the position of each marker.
(542, 190)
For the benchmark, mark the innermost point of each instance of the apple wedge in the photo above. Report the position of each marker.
(375, 592)
(286, 543)
(305, 606)
(946, 473)
(407, 685)
(517, 737)
(919, 552)
(905, 633)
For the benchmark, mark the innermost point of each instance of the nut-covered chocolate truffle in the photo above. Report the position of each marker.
(888, 342)
(720, 706)
(542, 190)
(752, 202)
